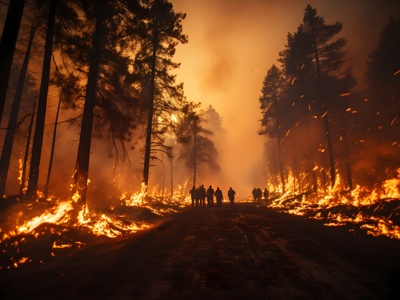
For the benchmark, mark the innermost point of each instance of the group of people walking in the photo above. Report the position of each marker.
(200, 194)
(257, 194)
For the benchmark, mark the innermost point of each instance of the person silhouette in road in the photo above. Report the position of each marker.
(259, 195)
(254, 193)
(231, 195)
(193, 194)
(210, 196)
(219, 197)
(266, 194)
(202, 192)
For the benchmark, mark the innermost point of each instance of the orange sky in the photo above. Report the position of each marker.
(232, 44)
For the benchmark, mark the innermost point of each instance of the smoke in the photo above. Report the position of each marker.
(233, 43)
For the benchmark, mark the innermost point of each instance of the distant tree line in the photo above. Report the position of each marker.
(111, 61)
(318, 127)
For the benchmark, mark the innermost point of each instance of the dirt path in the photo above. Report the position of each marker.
(240, 252)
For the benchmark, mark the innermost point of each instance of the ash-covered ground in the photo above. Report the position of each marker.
(234, 252)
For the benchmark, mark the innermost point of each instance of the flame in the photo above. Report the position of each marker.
(335, 197)
(174, 118)
(61, 246)
(20, 167)
(56, 215)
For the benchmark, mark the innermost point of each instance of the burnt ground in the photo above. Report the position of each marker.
(240, 252)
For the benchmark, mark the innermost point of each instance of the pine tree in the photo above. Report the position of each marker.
(163, 31)
(42, 105)
(383, 77)
(198, 150)
(271, 92)
(7, 47)
(384, 62)
(314, 63)
(82, 161)
(12, 122)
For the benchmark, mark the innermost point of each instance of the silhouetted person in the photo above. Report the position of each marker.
(210, 196)
(197, 196)
(254, 193)
(193, 194)
(218, 196)
(259, 195)
(266, 194)
(231, 195)
(202, 192)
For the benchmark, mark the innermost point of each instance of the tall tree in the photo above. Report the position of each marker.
(383, 77)
(27, 147)
(42, 105)
(53, 145)
(315, 63)
(163, 31)
(7, 46)
(198, 150)
(384, 62)
(271, 92)
(12, 121)
(82, 161)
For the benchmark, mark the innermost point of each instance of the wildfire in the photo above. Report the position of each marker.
(59, 221)
(338, 207)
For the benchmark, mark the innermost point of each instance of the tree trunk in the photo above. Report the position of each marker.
(53, 144)
(324, 111)
(194, 153)
(41, 113)
(28, 143)
(82, 160)
(7, 46)
(146, 164)
(12, 121)
(347, 159)
(279, 140)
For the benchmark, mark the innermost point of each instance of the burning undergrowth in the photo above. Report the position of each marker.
(35, 232)
(376, 211)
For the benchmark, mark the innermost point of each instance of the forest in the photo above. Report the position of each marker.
(92, 113)
(321, 132)
(102, 74)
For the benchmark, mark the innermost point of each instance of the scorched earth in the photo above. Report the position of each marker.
(234, 252)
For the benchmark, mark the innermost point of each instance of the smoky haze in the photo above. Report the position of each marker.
(232, 44)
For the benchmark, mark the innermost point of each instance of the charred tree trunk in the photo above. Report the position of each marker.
(28, 143)
(347, 159)
(194, 153)
(146, 165)
(12, 121)
(42, 105)
(278, 133)
(82, 160)
(324, 115)
(7, 46)
(53, 144)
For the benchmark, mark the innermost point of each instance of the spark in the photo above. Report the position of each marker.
(344, 95)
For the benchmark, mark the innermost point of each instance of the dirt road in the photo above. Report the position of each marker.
(240, 252)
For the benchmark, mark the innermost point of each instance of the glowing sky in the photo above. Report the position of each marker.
(232, 44)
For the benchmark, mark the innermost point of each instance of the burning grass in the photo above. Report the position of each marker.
(37, 231)
(375, 210)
